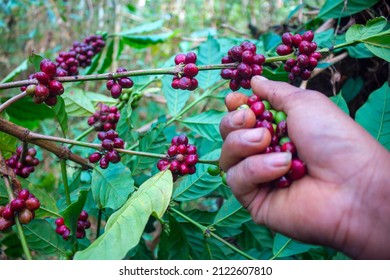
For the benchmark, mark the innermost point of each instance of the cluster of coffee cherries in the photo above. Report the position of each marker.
(82, 225)
(25, 167)
(115, 85)
(276, 123)
(186, 80)
(105, 118)
(110, 140)
(249, 64)
(80, 55)
(23, 206)
(181, 157)
(47, 89)
(305, 50)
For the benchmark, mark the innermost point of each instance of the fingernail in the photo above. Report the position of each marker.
(254, 135)
(238, 118)
(260, 78)
(278, 159)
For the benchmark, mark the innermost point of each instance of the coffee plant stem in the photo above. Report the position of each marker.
(12, 100)
(99, 221)
(206, 230)
(65, 181)
(19, 227)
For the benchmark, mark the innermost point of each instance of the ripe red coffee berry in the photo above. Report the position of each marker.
(184, 83)
(190, 58)
(297, 170)
(258, 108)
(283, 50)
(83, 215)
(191, 160)
(95, 157)
(116, 91)
(287, 39)
(244, 70)
(308, 36)
(18, 204)
(296, 40)
(125, 82)
(248, 46)
(42, 78)
(59, 222)
(48, 67)
(103, 163)
(33, 203)
(23, 194)
(180, 58)
(305, 47)
(190, 70)
(236, 53)
(41, 91)
(8, 213)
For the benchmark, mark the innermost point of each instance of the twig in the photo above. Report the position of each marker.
(12, 100)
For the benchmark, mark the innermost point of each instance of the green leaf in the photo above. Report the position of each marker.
(108, 57)
(351, 88)
(374, 115)
(41, 237)
(35, 60)
(342, 8)
(77, 103)
(147, 27)
(7, 144)
(26, 109)
(359, 32)
(206, 124)
(60, 114)
(231, 214)
(176, 99)
(209, 53)
(22, 67)
(379, 45)
(152, 142)
(285, 247)
(72, 212)
(96, 98)
(125, 124)
(199, 184)
(143, 41)
(112, 186)
(270, 41)
(173, 245)
(125, 227)
(259, 234)
(340, 102)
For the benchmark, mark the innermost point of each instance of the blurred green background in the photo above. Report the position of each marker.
(48, 26)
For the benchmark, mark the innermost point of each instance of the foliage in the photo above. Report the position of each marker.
(196, 217)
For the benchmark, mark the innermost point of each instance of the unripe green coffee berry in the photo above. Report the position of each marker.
(280, 116)
(243, 107)
(214, 170)
(283, 140)
(224, 178)
(30, 90)
(274, 112)
(267, 105)
(124, 96)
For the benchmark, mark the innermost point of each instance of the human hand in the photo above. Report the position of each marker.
(342, 202)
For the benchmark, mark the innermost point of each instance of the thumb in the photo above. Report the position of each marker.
(277, 93)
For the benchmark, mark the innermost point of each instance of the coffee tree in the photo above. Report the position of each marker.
(156, 191)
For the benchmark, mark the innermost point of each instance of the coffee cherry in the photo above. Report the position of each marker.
(296, 40)
(55, 87)
(244, 70)
(162, 164)
(297, 170)
(214, 170)
(23, 194)
(180, 58)
(41, 91)
(257, 108)
(59, 222)
(95, 157)
(18, 204)
(83, 215)
(190, 70)
(8, 213)
(33, 203)
(103, 163)
(116, 91)
(25, 216)
(308, 36)
(191, 160)
(48, 67)
(236, 53)
(248, 46)
(287, 39)
(283, 50)
(42, 78)
(190, 58)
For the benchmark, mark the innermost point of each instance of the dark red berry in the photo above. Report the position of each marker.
(23, 194)
(190, 70)
(236, 53)
(191, 159)
(8, 213)
(59, 222)
(297, 39)
(95, 157)
(316, 55)
(305, 47)
(172, 150)
(109, 84)
(182, 149)
(162, 164)
(182, 139)
(125, 82)
(18, 204)
(297, 170)
(190, 58)
(282, 182)
(227, 59)
(308, 36)
(244, 70)
(283, 50)
(61, 229)
(108, 144)
(252, 99)
(184, 83)
(248, 46)
(258, 108)
(226, 74)
(180, 58)
(256, 69)
(116, 91)
(80, 234)
(289, 147)
(174, 166)
(83, 215)
(305, 75)
(51, 101)
(234, 85)
(103, 163)
(287, 39)
(42, 78)
(302, 60)
(191, 149)
(119, 143)
(247, 57)
(41, 91)
(183, 169)
(33, 203)
(245, 83)
(258, 59)
(48, 67)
